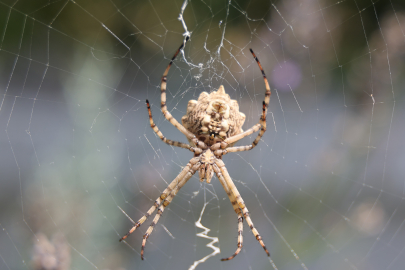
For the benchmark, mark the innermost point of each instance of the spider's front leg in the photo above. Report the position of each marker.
(195, 166)
(224, 176)
(237, 210)
(163, 196)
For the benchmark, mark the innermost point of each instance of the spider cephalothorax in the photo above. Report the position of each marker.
(206, 170)
(212, 125)
(213, 117)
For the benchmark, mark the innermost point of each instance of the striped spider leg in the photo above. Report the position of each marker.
(237, 211)
(236, 199)
(194, 165)
(222, 172)
(190, 136)
(158, 201)
(212, 125)
(262, 125)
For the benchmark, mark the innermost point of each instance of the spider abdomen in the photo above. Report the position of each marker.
(214, 117)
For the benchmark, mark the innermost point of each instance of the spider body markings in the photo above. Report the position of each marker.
(212, 125)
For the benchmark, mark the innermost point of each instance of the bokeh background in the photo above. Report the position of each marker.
(325, 187)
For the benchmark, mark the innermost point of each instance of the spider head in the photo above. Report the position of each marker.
(206, 171)
(213, 117)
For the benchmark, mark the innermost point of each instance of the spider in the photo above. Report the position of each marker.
(212, 125)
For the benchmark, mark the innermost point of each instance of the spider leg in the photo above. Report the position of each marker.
(261, 125)
(237, 210)
(266, 83)
(158, 201)
(255, 142)
(164, 139)
(226, 177)
(167, 114)
(166, 202)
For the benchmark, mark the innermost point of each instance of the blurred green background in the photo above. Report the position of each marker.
(325, 186)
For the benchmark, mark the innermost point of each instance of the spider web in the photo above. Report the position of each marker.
(324, 187)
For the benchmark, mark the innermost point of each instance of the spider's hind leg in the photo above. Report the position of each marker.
(164, 139)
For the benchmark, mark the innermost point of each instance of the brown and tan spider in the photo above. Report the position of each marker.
(212, 125)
